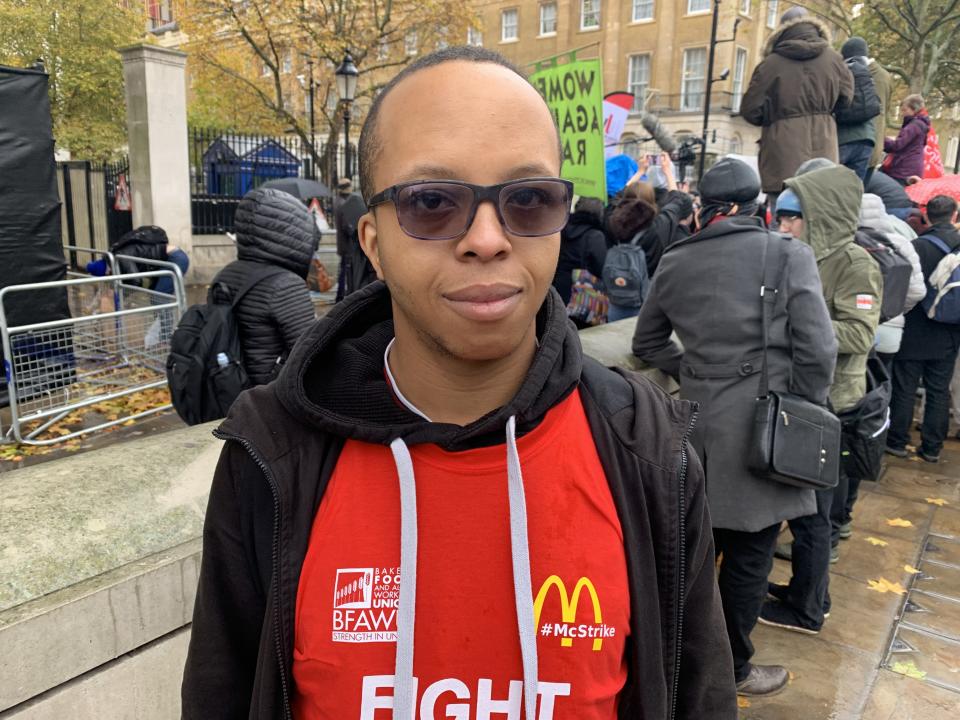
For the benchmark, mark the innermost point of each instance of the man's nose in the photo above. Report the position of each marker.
(486, 238)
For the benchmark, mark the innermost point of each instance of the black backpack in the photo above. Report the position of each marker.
(865, 425)
(148, 242)
(205, 369)
(866, 103)
(625, 277)
(895, 268)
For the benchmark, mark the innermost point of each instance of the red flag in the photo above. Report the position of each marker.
(932, 161)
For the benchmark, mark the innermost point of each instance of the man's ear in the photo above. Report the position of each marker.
(370, 241)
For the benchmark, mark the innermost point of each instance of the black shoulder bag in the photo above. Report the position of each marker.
(794, 440)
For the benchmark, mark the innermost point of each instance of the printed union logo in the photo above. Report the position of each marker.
(569, 629)
(353, 588)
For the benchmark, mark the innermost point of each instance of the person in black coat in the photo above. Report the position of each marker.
(928, 349)
(273, 228)
(583, 244)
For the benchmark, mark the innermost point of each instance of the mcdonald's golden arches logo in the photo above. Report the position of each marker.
(568, 630)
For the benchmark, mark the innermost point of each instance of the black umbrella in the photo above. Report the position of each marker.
(301, 188)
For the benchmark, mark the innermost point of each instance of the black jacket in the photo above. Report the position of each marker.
(273, 228)
(583, 244)
(283, 444)
(923, 338)
(889, 190)
(866, 103)
(660, 229)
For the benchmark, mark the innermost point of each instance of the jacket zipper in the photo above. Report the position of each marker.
(275, 554)
(682, 575)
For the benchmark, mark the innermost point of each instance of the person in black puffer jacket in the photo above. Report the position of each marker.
(583, 244)
(272, 228)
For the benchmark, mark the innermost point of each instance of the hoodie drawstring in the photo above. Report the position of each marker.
(404, 697)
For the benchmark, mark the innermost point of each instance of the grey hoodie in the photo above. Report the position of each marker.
(873, 215)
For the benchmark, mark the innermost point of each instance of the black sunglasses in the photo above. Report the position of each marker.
(445, 209)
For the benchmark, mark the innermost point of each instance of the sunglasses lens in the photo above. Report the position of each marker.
(533, 208)
(434, 211)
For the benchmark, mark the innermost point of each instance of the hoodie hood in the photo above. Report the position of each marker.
(873, 214)
(830, 199)
(580, 223)
(334, 378)
(803, 38)
(276, 228)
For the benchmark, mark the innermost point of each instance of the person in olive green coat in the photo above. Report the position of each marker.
(851, 279)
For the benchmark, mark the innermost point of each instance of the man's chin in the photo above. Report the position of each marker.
(485, 343)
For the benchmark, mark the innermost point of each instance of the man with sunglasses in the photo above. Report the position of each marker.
(441, 507)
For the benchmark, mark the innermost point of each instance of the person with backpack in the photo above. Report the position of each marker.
(583, 248)
(856, 122)
(257, 308)
(821, 208)
(707, 290)
(931, 338)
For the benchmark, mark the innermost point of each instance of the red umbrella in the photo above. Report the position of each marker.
(922, 191)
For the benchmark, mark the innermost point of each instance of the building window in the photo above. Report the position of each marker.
(736, 145)
(265, 70)
(509, 25)
(745, 7)
(951, 156)
(638, 79)
(642, 10)
(697, 6)
(442, 43)
(548, 18)
(589, 14)
(773, 9)
(474, 37)
(383, 49)
(693, 78)
(629, 146)
(739, 72)
(287, 62)
(411, 43)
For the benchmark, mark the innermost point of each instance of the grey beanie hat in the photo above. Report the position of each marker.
(814, 164)
(792, 14)
(854, 47)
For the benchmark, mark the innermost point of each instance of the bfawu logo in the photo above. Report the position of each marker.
(483, 708)
(365, 605)
(569, 629)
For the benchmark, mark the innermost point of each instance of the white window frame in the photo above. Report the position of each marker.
(383, 49)
(442, 38)
(474, 37)
(697, 11)
(635, 8)
(745, 7)
(543, 31)
(515, 12)
(638, 98)
(594, 13)
(684, 93)
(739, 76)
(286, 62)
(773, 10)
(411, 43)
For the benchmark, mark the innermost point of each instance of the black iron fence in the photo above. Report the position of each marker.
(225, 165)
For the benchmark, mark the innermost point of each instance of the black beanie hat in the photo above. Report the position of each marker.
(854, 47)
(730, 181)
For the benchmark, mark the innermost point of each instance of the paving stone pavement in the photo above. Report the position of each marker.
(847, 672)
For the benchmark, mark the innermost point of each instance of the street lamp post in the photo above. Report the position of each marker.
(347, 75)
(313, 126)
(711, 80)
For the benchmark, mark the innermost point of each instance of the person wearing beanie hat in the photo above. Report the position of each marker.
(829, 199)
(706, 289)
(856, 123)
(792, 96)
(789, 214)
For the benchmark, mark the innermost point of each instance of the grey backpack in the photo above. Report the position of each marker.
(625, 274)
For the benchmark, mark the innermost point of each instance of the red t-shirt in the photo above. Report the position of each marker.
(467, 649)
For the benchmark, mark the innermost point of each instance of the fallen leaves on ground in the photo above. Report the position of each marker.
(939, 502)
(107, 410)
(742, 702)
(911, 569)
(910, 669)
(876, 541)
(899, 522)
(883, 586)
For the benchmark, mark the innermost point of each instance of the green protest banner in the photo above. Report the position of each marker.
(574, 93)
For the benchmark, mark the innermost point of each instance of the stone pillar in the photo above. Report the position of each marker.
(157, 128)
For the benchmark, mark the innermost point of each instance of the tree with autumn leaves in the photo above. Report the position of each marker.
(77, 42)
(250, 60)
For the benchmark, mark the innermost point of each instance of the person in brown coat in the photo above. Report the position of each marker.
(792, 96)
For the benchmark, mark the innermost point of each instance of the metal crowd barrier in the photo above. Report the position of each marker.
(114, 344)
